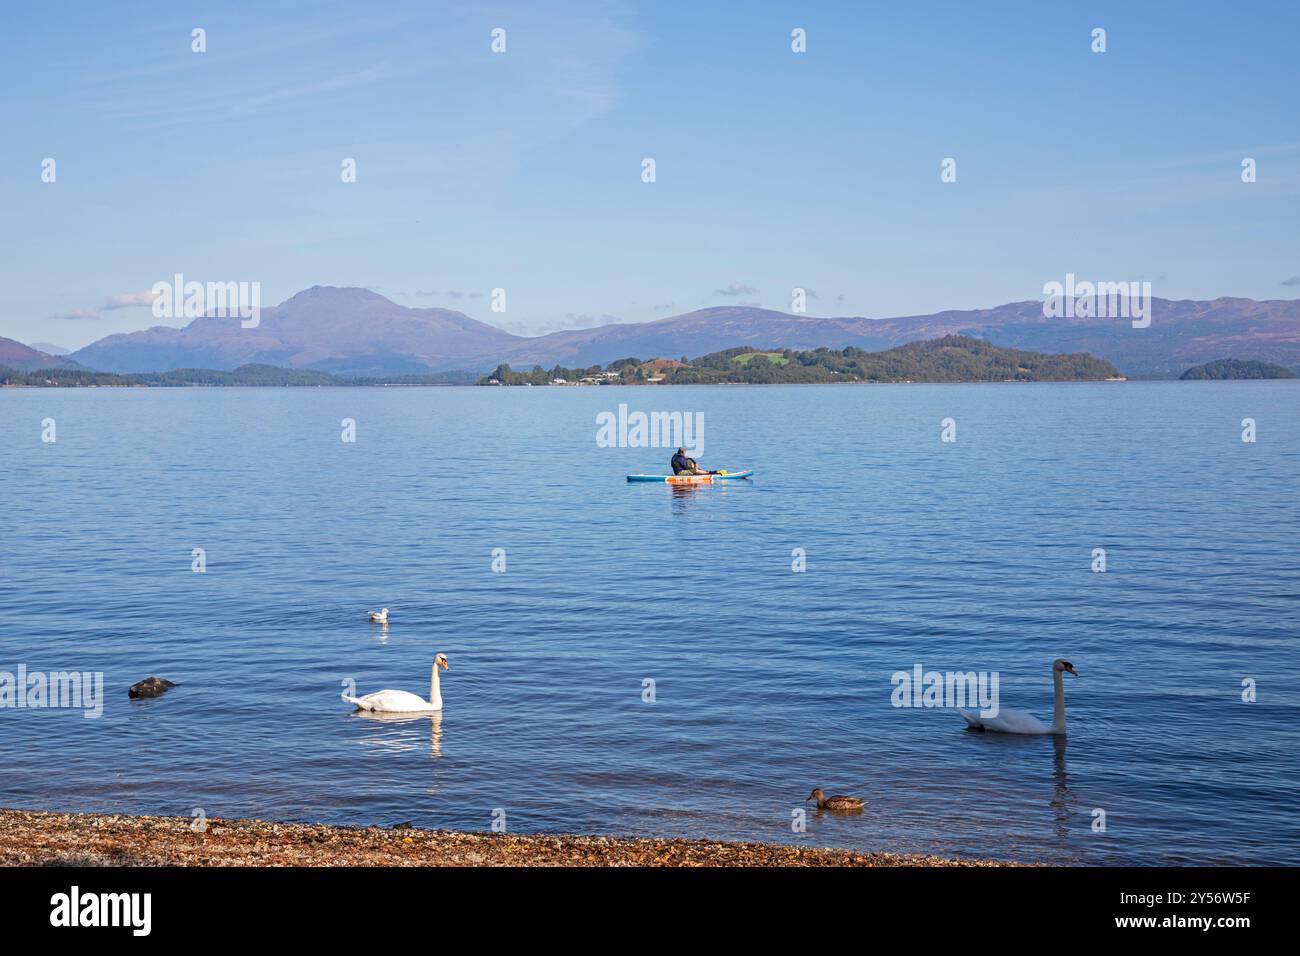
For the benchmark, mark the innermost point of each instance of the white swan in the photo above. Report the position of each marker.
(1019, 722)
(401, 701)
(380, 616)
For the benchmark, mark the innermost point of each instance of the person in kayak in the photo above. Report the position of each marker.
(685, 466)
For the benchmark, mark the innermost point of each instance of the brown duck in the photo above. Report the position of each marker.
(836, 804)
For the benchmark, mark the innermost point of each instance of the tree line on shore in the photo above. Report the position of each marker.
(1224, 369)
(245, 375)
(952, 358)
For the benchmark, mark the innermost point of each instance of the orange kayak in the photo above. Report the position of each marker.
(692, 479)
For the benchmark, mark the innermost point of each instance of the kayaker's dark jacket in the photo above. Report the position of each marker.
(680, 463)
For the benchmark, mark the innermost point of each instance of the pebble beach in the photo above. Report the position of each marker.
(36, 838)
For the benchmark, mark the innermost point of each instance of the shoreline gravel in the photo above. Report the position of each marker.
(39, 838)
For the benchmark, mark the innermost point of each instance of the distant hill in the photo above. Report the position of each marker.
(15, 355)
(355, 332)
(1236, 368)
(951, 358)
(245, 375)
(50, 349)
(351, 332)
(1182, 333)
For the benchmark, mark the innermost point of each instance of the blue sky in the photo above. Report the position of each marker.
(522, 170)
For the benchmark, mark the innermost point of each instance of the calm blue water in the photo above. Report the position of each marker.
(965, 556)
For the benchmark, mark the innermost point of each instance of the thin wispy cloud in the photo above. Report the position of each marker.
(377, 73)
(250, 100)
(736, 288)
(120, 300)
(571, 320)
(1229, 158)
(142, 299)
(584, 320)
(128, 300)
(443, 293)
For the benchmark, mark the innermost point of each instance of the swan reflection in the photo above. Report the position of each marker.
(406, 732)
(1062, 799)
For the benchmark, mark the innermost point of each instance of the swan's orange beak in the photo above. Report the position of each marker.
(1072, 671)
(442, 664)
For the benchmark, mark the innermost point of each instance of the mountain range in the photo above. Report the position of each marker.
(24, 358)
(357, 332)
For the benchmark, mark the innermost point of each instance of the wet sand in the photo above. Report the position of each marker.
(33, 838)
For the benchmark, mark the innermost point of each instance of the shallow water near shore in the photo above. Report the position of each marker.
(965, 556)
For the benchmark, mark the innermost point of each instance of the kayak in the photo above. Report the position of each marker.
(692, 479)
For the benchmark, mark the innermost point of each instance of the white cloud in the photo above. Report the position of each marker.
(119, 300)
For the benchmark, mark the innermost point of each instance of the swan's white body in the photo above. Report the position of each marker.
(1020, 722)
(1009, 722)
(402, 701)
(380, 616)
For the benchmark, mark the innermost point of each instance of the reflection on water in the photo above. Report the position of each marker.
(683, 494)
(1062, 802)
(406, 732)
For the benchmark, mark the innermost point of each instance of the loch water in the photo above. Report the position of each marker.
(642, 660)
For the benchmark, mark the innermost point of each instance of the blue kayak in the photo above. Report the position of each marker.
(692, 479)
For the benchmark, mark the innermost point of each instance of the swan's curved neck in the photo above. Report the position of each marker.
(1058, 710)
(435, 695)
